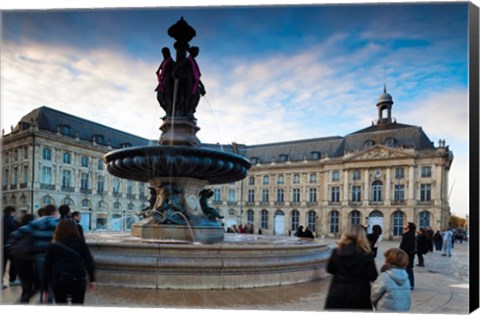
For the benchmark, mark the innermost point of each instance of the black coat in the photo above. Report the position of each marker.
(60, 261)
(408, 245)
(422, 244)
(353, 271)
(9, 225)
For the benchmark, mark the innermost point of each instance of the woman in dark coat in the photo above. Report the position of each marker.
(353, 269)
(422, 247)
(408, 245)
(438, 240)
(67, 258)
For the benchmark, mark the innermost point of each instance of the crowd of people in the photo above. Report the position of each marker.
(48, 254)
(356, 283)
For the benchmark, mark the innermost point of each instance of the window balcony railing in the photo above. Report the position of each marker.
(398, 202)
(47, 186)
(23, 185)
(295, 203)
(117, 194)
(250, 203)
(424, 202)
(13, 186)
(131, 196)
(217, 202)
(231, 203)
(354, 202)
(311, 203)
(264, 203)
(373, 203)
(333, 203)
(279, 203)
(85, 191)
(100, 192)
(142, 196)
(67, 188)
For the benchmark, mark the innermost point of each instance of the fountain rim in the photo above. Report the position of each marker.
(112, 155)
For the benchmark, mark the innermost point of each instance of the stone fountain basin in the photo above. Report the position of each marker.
(145, 163)
(240, 261)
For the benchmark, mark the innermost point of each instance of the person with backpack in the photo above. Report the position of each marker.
(39, 232)
(66, 260)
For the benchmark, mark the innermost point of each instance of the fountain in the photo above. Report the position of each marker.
(181, 243)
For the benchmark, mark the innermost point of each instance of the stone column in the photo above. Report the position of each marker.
(345, 188)
(388, 185)
(367, 190)
(411, 184)
(437, 197)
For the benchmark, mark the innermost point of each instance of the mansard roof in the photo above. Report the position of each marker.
(310, 149)
(389, 134)
(46, 118)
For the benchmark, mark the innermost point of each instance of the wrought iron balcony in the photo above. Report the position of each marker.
(67, 188)
(47, 186)
(117, 194)
(86, 191)
(13, 186)
(23, 185)
(131, 196)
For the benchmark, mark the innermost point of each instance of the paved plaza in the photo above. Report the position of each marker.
(442, 286)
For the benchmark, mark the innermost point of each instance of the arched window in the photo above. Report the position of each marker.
(391, 142)
(264, 220)
(117, 205)
(377, 188)
(334, 219)
(312, 220)
(397, 220)
(86, 203)
(368, 143)
(250, 216)
(232, 212)
(423, 219)
(355, 217)
(68, 202)
(130, 206)
(13, 200)
(46, 200)
(295, 220)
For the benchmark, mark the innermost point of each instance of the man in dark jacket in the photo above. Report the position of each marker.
(408, 245)
(9, 225)
(76, 217)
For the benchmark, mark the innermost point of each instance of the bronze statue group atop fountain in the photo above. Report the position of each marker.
(179, 86)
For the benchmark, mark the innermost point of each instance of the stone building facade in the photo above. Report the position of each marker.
(54, 157)
(387, 174)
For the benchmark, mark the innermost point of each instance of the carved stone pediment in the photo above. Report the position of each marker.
(380, 152)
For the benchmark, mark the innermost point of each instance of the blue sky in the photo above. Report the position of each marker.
(272, 73)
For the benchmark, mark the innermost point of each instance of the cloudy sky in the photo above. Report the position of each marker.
(272, 73)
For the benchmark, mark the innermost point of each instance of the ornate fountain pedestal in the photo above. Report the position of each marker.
(197, 227)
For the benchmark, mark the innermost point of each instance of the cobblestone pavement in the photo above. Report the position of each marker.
(441, 287)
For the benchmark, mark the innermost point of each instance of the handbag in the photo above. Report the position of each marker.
(22, 248)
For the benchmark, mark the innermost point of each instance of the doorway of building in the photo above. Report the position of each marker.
(279, 227)
(375, 218)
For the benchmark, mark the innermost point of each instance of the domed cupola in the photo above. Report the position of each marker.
(385, 102)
